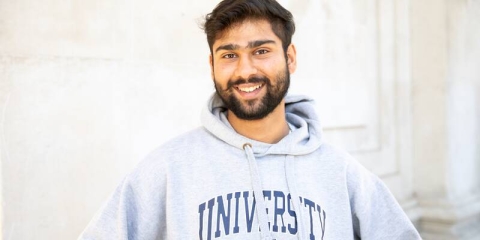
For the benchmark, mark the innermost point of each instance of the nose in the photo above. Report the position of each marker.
(245, 68)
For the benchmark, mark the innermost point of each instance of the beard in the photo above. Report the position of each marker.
(257, 108)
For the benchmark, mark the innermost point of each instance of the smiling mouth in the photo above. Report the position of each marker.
(250, 88)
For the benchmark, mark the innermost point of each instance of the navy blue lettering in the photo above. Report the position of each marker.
(249, 217)
(236, 229)
(267, 195)
(322, 222)
(279, 211)
(211, 203)
(311, 205)
(225, 216)
(201, 209)
(292, 214)
(285, 215)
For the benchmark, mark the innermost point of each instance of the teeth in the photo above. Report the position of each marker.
(250, 89)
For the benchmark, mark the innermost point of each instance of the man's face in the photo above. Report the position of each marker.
(250, 69)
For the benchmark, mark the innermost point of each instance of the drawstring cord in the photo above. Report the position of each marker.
(261, 207)
(292, 187)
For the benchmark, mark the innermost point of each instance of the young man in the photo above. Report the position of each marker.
(258, 168)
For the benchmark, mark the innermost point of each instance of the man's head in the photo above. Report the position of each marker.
(251, 55)
(229, 12)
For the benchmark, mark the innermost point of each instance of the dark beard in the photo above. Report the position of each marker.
(248, 110)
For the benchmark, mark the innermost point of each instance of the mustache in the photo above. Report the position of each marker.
(231, 84)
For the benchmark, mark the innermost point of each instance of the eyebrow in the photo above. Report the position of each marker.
(252, 44)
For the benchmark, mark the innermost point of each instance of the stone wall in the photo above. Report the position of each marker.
(446, 116)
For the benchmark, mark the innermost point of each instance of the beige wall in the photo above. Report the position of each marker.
(88, 88)
(446, 116)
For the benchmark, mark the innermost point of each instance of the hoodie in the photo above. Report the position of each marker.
(204, 185)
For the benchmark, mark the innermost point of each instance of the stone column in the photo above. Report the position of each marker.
(446, 116)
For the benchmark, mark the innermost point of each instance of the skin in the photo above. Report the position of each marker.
(248, 49)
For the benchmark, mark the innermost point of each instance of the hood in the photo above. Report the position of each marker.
(300, 114)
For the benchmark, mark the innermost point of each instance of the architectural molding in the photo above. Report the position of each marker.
(451, 219)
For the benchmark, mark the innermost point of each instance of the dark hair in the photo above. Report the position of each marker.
(229, 12)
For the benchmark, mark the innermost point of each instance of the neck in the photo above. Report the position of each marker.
(270, 129)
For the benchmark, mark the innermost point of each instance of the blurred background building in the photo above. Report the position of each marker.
(88, 88)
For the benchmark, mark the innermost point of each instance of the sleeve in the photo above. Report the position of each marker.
(375, 212)
(134, 211)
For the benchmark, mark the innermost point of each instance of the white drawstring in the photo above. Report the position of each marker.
(261, 207)
(292, 187)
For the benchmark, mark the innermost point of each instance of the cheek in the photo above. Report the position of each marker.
(272, 67)
(223, 72)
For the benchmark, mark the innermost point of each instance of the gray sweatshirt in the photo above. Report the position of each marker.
(204, 185)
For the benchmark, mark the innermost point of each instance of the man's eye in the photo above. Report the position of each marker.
(261, 51)
(229, 55)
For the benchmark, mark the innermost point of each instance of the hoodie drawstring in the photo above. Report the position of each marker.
(292, 187)
(261, 207)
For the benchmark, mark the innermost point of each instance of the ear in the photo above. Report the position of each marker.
(291, 58)
(210, 59)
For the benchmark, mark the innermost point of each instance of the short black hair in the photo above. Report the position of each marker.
(229, 12)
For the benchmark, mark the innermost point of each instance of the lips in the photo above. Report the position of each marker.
(250, 88)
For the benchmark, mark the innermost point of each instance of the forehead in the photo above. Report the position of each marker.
(246, 31)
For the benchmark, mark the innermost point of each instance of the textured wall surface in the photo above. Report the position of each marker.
(87, 88)
(446, 116)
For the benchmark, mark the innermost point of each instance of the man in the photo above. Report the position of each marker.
(254, 142)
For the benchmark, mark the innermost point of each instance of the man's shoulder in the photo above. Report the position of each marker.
(335, 153)
(184, 142)
(353, 167)
(181, 146)
(190, 139)
(334, 157)
(181, 149)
